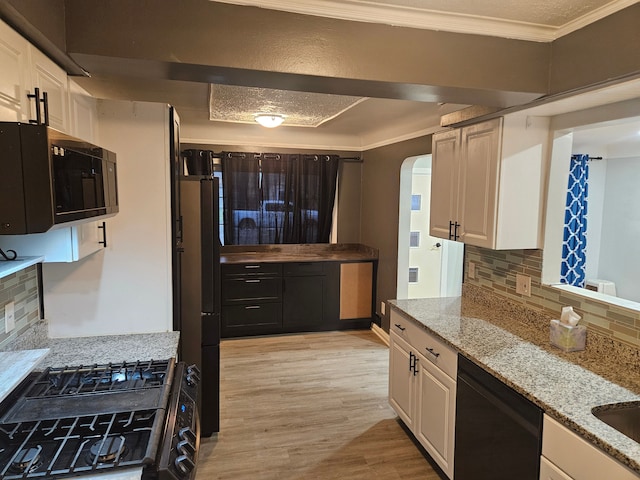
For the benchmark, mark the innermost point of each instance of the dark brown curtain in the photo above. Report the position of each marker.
(296, 198)
(241, 194)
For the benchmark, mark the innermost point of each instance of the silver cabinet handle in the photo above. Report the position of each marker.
(252, 307)
(252, 266)
(252, 281)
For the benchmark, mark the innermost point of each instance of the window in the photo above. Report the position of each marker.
(414, 239)
(416, 202)
(413, 274)
(272, 198)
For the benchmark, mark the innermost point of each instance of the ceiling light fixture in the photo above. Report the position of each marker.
(269, 120)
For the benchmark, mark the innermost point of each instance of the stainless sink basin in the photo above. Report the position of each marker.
(624, 417)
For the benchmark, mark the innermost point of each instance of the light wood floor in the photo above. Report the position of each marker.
(310, 407)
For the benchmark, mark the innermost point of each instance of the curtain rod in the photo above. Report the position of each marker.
(590, 158)
(343, 159)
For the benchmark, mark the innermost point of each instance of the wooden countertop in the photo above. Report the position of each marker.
(349, 252)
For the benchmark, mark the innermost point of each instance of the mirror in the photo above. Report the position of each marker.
(611, 264)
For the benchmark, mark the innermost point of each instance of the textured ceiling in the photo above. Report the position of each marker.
(300, 109)
(544, 12)
(539, 20)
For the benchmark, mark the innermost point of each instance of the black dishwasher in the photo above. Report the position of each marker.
(498, 431)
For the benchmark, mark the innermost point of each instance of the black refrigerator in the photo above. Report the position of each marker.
(200, 292)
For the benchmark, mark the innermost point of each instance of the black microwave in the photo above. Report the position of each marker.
(49, 178)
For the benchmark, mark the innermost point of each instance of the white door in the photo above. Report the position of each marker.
(425, 251)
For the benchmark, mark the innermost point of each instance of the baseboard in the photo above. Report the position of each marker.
(384, 336)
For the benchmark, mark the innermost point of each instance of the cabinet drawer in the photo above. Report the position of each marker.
(577, 457)
(244, 289)
(428, 345)
(252, 315)
(233, 270)
(303, 268)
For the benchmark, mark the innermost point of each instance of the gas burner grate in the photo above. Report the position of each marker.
(78, 445)
(99, 378)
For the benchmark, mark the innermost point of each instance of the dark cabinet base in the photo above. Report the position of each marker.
(308, 300)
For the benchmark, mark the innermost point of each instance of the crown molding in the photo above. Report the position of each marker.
(408, 17)
(593, 16)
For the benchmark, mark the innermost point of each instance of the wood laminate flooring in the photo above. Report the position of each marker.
(312, 407)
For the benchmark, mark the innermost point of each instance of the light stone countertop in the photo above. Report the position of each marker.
(111, 348)
(15, 366)
(564, 390)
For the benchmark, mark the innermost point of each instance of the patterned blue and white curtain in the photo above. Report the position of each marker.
(572, 271)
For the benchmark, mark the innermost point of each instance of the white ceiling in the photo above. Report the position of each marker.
(538, 20)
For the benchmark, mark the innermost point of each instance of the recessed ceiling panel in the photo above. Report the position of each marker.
(229, 103)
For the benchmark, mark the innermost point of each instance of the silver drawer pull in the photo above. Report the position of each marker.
(252, 307)
(252, 266)
(434, 353)
(252, 281)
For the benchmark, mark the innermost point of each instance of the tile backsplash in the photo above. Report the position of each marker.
(496, 272)
(21, 288)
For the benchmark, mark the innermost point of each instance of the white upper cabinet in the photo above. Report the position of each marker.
(487, 182)
(14, 75)
(83, 113)
(50, 78)
(23, 68)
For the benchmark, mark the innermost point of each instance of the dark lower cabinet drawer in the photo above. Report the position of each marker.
(244, 289)
(235, 269)
(251, 319)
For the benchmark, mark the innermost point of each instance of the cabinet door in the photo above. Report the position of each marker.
(302, 302)
(548, 471)
(14, 75)
(83, 114)
(479, 171)
(435, 422)
(86, 238)
(50, 78)
(356, 290)
(401, 396)
(444, 183)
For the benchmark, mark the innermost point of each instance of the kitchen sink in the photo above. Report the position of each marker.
(624, 417)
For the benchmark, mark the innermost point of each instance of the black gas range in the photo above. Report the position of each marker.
(88, 420)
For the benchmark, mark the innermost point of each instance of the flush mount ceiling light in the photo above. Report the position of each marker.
(269, 120)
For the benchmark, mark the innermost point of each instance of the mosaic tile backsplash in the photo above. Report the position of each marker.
(22, 288)
(496, 272)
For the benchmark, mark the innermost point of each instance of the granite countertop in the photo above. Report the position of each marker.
(319, 252)
(111, 348)
(15, 366)
(564, 389)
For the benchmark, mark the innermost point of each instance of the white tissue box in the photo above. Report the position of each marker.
(566, 337)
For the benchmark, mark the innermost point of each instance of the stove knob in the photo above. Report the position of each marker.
(187, 434)
(193, 369)
(185, 447)
(192, 380)
(184, 465)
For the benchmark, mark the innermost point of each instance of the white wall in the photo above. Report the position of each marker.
(620, 249)
(125, 288)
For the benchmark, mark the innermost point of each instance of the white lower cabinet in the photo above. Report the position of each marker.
(68, 244)
(567, 456)
(422, 388)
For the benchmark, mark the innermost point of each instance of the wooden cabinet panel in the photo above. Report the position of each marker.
(548, 471)
(444, 192)
(251, 289)
(479, 168)
(401, 379)
(229, 270)
(50, 78)
(303, 302)
(14, 75)
(435, 422)
(356, 290)
(576, 457)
